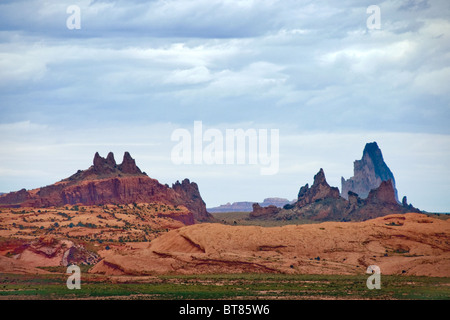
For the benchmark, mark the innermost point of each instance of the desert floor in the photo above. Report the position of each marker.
(221, 286)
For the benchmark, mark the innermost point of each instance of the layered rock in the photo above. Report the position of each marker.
(369, 172)
(105, 182)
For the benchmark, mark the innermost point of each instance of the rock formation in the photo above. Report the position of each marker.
(191, 198)
(107, 168)
(128, 165)
(259, 211)
(369, 172)
(105, 182)
(384, 194)
(321, 202)
(318, 191)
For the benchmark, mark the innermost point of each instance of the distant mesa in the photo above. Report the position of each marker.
(106, 182)
(247, 206)
(369, 172)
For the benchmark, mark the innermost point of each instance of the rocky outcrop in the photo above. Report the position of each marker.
(47, 251)
(369, 172)
(105, 168)
(319, 190)
(105, 182)
(191, 198)
(320, 202)
(260, 212)
(384, 194)
(14, 199)
(128, 165)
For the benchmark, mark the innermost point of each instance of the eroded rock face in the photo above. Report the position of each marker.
(103, 168)
(384, 194)
(105, 182)
(128, 165)
(191, 198)
(14, 199)
(319, 190)
(49, 251)
(369, 172)
(323, 203)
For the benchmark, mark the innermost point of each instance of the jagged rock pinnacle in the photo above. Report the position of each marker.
(110, 160)
(368, 173)
(319, 190)
(129, 165)
(319, 178)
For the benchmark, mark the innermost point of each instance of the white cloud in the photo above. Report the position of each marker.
(20, 67)
(434, 82)
(189, 76)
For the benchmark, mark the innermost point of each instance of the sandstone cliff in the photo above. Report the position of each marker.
(191, 198)
(106, 182)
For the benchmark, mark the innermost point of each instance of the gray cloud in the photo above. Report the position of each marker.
(310, 66)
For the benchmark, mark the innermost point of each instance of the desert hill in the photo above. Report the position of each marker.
(411, 243)
(106, 182)
(59, 236)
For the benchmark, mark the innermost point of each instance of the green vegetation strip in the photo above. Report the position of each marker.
(224, 286)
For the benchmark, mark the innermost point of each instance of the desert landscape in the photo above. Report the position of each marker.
(223, 158)
(125, 229)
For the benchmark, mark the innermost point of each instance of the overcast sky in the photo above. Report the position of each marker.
(138, 70)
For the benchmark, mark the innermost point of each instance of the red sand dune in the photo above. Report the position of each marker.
(412, 243)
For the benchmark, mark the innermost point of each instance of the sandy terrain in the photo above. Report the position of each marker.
(8, 265)
(146, 240)
(412, 244)
(138, 222)
(48, 237)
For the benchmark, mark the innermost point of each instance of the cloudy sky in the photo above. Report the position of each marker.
(138, 70)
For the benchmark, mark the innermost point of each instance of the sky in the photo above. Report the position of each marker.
(316, 71)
